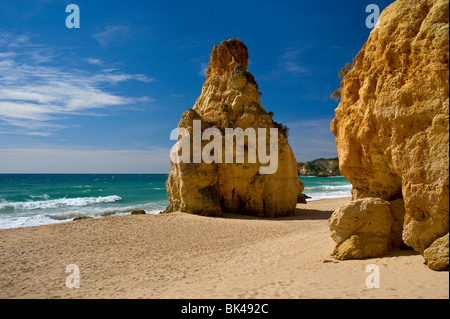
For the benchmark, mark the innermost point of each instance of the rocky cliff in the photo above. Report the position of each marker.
(322, 167)
(392, 124)
(230, 100)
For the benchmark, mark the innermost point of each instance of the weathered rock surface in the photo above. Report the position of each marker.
(436, 256)
(392, 124)
(365, 228)
(398, 213)
(230, 99)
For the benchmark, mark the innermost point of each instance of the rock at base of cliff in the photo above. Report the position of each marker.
(366, 228)
(437, 255)
(138, 212)
(301, 198)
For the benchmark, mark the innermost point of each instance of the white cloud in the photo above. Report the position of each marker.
(5, 55)
(94, 61)
(41, 94)
(26, 111)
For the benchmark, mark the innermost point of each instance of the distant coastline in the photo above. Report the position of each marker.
(321, 167)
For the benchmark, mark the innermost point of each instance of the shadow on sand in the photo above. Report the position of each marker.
(299, 214)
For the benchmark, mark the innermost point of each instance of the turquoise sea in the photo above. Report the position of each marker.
(39, 199)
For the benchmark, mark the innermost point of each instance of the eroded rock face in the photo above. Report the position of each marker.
(392, 124)
(230, 100)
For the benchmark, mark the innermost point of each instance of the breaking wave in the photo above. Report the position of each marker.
(56, 203)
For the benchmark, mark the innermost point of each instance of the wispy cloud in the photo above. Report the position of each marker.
(21, 46)
(289, 62)
(114, 78)
(203, 69)
(6, 55)
(34, 96)
(94, 61)
(8, 39)
(112, 33)
(292, 67)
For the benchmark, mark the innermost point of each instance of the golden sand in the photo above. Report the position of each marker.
(187, 256)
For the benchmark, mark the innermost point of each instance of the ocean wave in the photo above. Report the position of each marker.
(72, 214)
(52, 218)
(45, 196)
(103, 212)
(330, 187)
(319, 196)
(318, 192)
(56, 203)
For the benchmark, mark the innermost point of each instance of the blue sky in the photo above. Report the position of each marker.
(104, 98)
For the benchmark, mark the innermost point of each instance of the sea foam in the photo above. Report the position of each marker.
(56, 203)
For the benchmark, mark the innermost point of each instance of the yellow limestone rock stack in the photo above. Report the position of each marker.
(392, 124)
(230, 100)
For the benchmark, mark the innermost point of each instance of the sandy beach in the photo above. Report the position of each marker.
(188, 256)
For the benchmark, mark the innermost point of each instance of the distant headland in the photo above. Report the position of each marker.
(322, 167)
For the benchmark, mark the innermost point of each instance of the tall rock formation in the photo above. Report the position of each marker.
(392, 124)
(230, 100)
